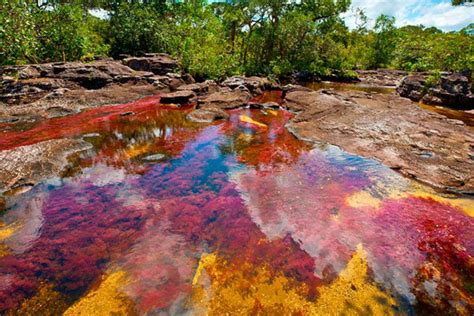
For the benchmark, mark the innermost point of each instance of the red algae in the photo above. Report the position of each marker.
(257, 197)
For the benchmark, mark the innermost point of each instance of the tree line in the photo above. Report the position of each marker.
(217, 39)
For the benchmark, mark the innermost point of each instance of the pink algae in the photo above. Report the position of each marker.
(256, 196)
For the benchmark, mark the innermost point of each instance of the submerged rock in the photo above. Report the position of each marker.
(24, 166)
(416, 142)
(207, 115)
(154, 157)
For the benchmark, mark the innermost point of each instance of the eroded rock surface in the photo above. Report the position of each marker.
(24, 166)
(207, 115)
(381, 77)
(225, 99)
(180, 97)
(453, 90)
(420, 144)
(159, 64)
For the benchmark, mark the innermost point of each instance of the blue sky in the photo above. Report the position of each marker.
(438, 13)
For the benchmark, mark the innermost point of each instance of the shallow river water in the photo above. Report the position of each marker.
(166, 216)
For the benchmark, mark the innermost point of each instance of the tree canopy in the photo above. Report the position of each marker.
(213, 40)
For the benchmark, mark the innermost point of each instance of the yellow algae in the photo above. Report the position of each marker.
(245, 137)
(466, 205)
(247, 119)
(352, 293)
(222, 288)
(363, 199)
(137, 150)
(7, 230)
(46, 301)
(107, 299)
(4, 250)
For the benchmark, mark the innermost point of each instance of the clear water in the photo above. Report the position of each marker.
(165, 216)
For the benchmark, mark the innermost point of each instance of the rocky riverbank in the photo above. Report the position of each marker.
(418, 143)
(452, 90)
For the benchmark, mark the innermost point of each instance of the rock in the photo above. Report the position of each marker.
(128, 113)
(411, 87)
(58, 111)
(381, 77)
(9, 119)
(7, 80)
(265, 105)
(208, 86)
(225, 100)
(452, 90)
(207, 115)
(87, 77)
(455, 84)
(254, 84)
(29, 72)
(416, 142)
(292, 87)
(180, 97)
(159, 64)
(25, 166)
(154, 157)
(3, 205)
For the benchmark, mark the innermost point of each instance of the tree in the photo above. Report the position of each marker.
(385, 36)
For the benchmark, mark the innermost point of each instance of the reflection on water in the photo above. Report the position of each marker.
(466, 117)
(349, 87)
(231, 217)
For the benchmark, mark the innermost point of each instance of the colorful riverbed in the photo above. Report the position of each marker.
(235, 217)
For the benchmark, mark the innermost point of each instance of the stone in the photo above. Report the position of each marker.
(29, 72)
(225, 100)
(452, 90)
(254, 84)
(207, 115)
(58, 111)
(159, 64)
(180, 97)
(416, 142)
(154, 157)
(87, 77)
(3, 205)
(25, 166)
(208, 86)
(411, 87)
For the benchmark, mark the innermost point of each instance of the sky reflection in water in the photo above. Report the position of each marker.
(234, 217)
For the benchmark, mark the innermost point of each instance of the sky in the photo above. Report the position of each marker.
(438, 13)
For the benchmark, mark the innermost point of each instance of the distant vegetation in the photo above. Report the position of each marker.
(213, 40)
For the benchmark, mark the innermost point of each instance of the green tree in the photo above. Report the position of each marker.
(385, 37)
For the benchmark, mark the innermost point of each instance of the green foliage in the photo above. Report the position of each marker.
(135, 28)
(30, 33)
(214, 40)
(422, 49)
(17, 37)
(385, 41)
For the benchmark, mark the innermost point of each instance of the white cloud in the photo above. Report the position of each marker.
(428, 12)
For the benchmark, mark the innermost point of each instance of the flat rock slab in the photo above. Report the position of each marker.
(27, 165)
(180, 97)
(418, 143)
(225, 99)
(207, 115)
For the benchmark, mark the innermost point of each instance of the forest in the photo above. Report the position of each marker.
(218, 39)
